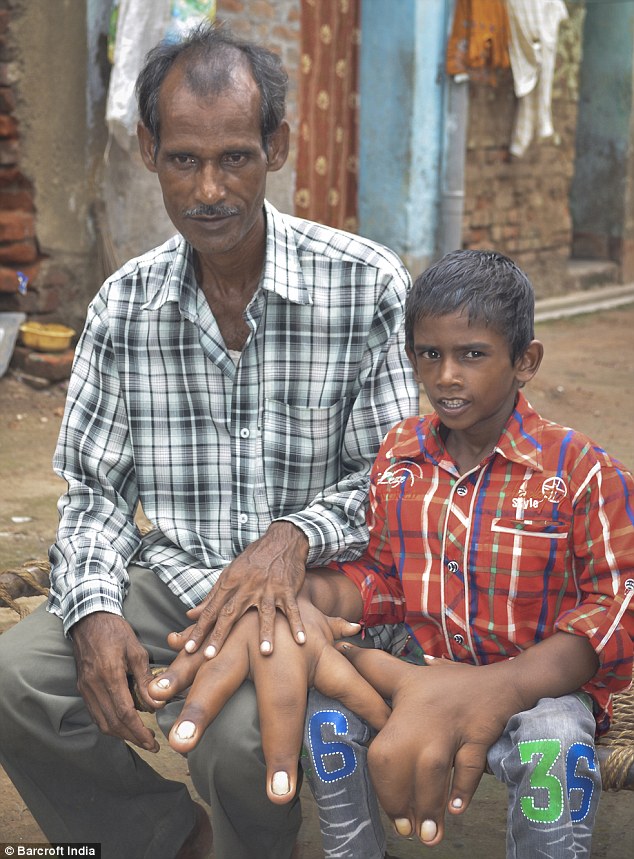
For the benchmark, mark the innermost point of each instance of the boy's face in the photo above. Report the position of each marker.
(467, 374)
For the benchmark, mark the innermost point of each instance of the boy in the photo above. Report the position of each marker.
(510, 540)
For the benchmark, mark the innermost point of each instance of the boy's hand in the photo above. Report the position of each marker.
(445, 716)
(281, 680)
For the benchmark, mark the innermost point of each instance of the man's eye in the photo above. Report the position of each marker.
(183, 160)
(235, 159)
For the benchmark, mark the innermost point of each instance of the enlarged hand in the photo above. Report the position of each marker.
(106, 651)
(267, 576)
(281, 681)
(445, 716)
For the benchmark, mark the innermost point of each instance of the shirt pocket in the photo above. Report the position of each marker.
(302, 450)
(542, 543)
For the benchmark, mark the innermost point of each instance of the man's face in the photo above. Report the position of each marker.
(211, 163)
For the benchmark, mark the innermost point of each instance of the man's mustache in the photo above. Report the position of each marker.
(217, 211)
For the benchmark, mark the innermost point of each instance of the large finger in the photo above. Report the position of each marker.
(177, 677)
(268, 611)
(336, 678)
(469, 766)
(215, 683)
(281, 684)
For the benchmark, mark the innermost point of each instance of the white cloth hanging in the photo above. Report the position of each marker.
(534, 26)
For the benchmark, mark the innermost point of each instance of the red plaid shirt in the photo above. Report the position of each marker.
(538, 538)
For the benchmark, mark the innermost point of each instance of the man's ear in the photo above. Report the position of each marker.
(528, 363)
(146, 146)
(278, 148)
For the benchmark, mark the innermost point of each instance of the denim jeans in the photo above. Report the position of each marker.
(545, 756)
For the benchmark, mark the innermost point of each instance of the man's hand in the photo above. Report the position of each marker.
(106, 652)
(267, 576)
(281, 681)
(445, 716)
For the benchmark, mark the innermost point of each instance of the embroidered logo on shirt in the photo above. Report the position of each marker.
(402, 472)
(554, 489)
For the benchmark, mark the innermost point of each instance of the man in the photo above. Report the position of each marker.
(236, 382)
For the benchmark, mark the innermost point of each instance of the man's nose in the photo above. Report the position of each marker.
(210, 186)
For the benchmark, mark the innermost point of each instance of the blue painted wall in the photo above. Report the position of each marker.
(402, 80)
(598, 193)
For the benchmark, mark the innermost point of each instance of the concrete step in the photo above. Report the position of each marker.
(584, 301)
(585, 274)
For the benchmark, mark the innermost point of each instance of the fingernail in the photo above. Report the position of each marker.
(265, 647)
(210, 651)
(280, 785)
(456, 803)
(190, 646)
(185, 730)
(163, 683)
(428, 830)
(403, 826)
(345, 647)
(301, 637)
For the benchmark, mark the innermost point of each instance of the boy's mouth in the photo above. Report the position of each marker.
(452, 405)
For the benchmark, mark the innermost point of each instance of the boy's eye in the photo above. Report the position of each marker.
(474, 353)
(430, 354)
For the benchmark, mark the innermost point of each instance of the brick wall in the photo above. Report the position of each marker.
(520, 206)
(28, 281)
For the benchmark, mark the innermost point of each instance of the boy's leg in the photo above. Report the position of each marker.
(334, 760)
(547, 759)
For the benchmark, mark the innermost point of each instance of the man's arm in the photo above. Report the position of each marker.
(431, 754)
(96, 536)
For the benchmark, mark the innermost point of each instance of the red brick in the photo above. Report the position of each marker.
(54, 366)
(18, 253)
(16, 200)
(9, 152)
(7, 100)
(16, 226)
(9, 277)
(8, 126)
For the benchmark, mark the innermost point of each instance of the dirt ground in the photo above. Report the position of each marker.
(585, 382)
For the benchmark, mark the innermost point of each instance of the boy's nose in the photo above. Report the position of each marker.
(448, 374)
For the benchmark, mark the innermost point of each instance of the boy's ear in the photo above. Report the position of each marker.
(146, 146)
(412, 360)
(528, 363)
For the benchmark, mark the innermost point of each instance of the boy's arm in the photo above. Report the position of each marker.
(445, 716)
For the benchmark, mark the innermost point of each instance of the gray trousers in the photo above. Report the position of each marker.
(81, 785)
(545, 756)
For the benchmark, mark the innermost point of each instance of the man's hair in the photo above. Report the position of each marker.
(208, 56)
(487, 286)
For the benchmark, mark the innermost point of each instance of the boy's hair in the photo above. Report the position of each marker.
(486, 285)
(208, 54)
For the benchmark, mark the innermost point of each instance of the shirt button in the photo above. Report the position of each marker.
(243, 518)
(453, 566)
(459, 639)
(629, 584)
(462, 490)
(244, 433)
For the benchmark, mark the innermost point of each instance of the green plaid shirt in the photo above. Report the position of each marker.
(158, 412)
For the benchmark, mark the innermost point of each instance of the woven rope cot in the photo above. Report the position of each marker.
(615, 749)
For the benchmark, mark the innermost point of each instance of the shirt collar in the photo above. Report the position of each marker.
(520, 440)
(282, 270)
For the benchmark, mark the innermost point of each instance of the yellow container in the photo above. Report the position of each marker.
(46, 336)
